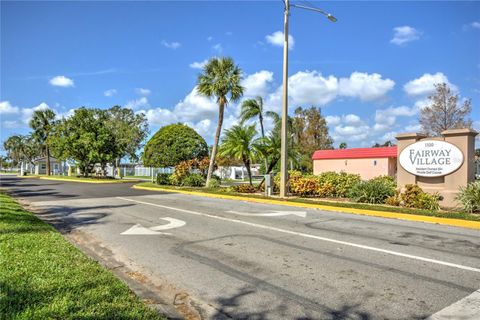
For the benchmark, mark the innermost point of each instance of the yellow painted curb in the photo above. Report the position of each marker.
(79, 181)
(392, 215)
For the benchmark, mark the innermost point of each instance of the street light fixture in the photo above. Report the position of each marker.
(283, 135)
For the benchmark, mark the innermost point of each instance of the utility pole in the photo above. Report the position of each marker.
(284, 132)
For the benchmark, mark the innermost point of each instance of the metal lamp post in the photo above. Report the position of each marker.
(283, 136)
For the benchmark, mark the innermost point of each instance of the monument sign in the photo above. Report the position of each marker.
(431, 158)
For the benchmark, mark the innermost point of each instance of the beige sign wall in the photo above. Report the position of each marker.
(446, 185)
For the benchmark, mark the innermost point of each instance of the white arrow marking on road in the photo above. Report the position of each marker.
(302, 214)
(139, 229)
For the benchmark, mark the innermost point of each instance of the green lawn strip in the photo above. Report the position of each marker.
(43, 276)
(374, 207)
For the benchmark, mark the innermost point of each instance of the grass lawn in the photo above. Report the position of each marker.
(342, 204)
(138, 177)
(43, 276)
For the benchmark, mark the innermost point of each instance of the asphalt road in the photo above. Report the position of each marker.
(247, 260)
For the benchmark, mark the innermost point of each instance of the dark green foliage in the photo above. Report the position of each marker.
(469, 197)
(193, 180)
(163, 178)
(43, 276)
(371, 191)
(173, 144)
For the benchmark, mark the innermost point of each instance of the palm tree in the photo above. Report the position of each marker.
(13, 145)
(239, 143)
(252, 108)
(42, 123)
(219, 79)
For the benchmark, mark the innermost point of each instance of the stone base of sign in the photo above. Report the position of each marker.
(447, 186)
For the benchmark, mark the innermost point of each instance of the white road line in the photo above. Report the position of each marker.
(467, 308)
(311, 236)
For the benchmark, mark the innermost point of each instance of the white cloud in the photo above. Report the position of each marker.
(425, 84)
(405, 34)
(333, 120)
(195, 107)
(62, 81)
(311, 88)
(7, 108)
(171, 45)
(366, 87)
(352, 119)
(198, 65)
(110, 92)
(413, 128)
(159, 116)
(475, 24)
(142, 91)
(257, 83)
(218, 47)
(27, 113)
(138, 103)
(385, 119)
(209, 38)
(11, 124)
(277, 38)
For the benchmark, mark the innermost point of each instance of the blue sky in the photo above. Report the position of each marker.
(370, 72)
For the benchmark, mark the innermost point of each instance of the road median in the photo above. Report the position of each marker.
(470, 224)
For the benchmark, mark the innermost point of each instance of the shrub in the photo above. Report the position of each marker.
(386, 180)
(370, 191)
(244, 188)
(415, 197)
(213, 183)
(163, 178)
(336, 184)
(193, 180)
(469, 197)
(427, 201)
(394, 200)
(410, 195)
(304, 186)
(175, 180)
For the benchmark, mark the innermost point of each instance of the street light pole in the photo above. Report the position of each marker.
(283, 137)
(284, 134)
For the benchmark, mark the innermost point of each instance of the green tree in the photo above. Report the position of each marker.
(173, 144)
(343, 145)
(253, 108)
(14, 147)
(220, 79)
(309, 133)
(444, 112)
(42, 123)
(85, 138)
(239, 143)
(129, 130)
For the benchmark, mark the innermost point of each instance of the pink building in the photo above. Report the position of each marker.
(367, 162)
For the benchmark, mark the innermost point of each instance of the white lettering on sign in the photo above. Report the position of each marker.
(431, 158)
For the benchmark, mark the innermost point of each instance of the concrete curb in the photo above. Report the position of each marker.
(391, 215)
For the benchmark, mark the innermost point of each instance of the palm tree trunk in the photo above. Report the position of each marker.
(246, 162)
(48, 160)
(221, 110)
(260, 118)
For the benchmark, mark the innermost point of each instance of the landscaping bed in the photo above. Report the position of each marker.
(43, 276)
(332, 202)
